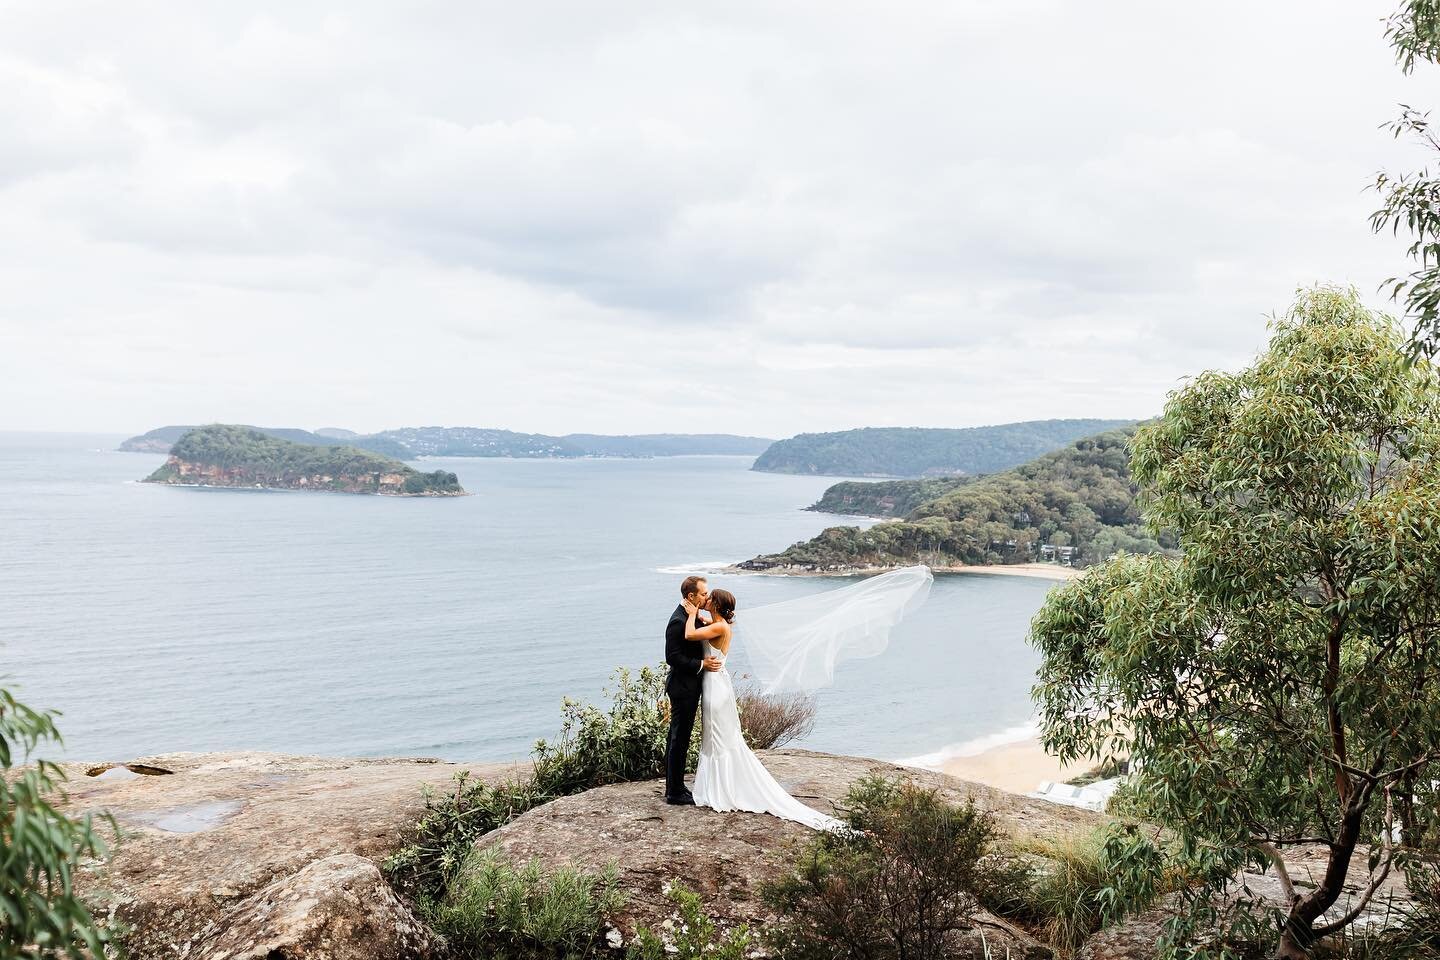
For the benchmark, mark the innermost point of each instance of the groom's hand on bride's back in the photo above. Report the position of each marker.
(713, 663)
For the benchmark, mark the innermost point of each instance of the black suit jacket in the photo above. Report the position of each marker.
(686, 657)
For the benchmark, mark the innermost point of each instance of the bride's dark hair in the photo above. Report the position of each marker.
(724, 603)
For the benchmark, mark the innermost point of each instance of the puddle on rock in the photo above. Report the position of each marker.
(190, 818)
(126, 771)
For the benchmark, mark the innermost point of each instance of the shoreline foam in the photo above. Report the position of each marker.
(1012, 760)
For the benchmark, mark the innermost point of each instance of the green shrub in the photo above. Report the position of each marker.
(1415, 937)
(899, 884)
(1422, 919)
(621, 743)
(40, 848)
(1091, 883)
(495, 909)
(696, 937)
(452, 821)
(1065, 900)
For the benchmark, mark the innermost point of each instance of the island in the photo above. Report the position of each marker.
(923, 451)
(1073, 507)
(231, 455)
(161, 439)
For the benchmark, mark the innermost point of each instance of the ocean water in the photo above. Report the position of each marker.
(160, 619)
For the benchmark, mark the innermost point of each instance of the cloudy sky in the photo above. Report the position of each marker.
(749, 217)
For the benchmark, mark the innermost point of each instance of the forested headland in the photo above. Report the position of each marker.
(1080, 502)
(924, 451)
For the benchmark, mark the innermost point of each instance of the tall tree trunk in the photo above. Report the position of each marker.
(1299, 933)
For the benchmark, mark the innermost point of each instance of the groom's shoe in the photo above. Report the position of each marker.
(684, 800)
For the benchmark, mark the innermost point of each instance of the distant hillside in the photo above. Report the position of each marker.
(161, 439)
(478, 442)
(922, 451)
(1078, 499)
(668, 444)
(407, 443)
(229, 455)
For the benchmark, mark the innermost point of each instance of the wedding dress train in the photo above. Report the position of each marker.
(794, 645)
(730, 776)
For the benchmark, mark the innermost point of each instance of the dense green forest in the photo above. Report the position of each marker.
(161, 439)
(884, 498)
(1081, 497)
(248, 455)
(920, 451)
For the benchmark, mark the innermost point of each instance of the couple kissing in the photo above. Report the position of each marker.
(698, 639)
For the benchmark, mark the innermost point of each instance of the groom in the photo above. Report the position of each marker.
(683, 686)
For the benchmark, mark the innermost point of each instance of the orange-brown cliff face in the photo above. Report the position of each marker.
(180, 472)
(227, 455)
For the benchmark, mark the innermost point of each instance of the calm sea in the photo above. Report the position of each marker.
(161, 619)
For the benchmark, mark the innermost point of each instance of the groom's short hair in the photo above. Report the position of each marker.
(690, 585)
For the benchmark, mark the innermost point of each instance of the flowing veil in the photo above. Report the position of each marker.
(794, 645)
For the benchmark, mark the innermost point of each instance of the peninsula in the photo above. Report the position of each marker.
(227, 455)
(1073, 507)
(923, 451)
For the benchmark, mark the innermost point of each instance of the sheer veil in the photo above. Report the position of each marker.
(795, 645)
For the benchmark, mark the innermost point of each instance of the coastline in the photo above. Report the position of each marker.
(1013, 761)
(1045, 571)
(267, 488)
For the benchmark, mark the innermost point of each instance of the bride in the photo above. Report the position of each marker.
(791, 646)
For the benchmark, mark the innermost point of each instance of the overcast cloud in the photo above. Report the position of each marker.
(744, 217)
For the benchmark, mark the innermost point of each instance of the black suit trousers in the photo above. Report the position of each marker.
(683, 706)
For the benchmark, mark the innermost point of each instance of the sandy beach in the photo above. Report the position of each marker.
(1018, 767)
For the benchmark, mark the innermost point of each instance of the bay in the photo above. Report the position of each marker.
(160, 619)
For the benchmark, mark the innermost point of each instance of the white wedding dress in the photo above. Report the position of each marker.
(793, 646)
(730, 776)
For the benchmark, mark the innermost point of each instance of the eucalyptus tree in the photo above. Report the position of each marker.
(41, 915)
(1279, 680)
(1412, 200)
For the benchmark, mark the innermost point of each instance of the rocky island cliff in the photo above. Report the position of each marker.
(226, 455)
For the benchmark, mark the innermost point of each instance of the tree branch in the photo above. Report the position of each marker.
(1281, 872)
(1379, 878)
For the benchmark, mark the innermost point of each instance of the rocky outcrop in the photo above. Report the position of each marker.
(178, 472)
(262, 855)
(206, 835)
(247, 856)
(338, 908)
(728, 857)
